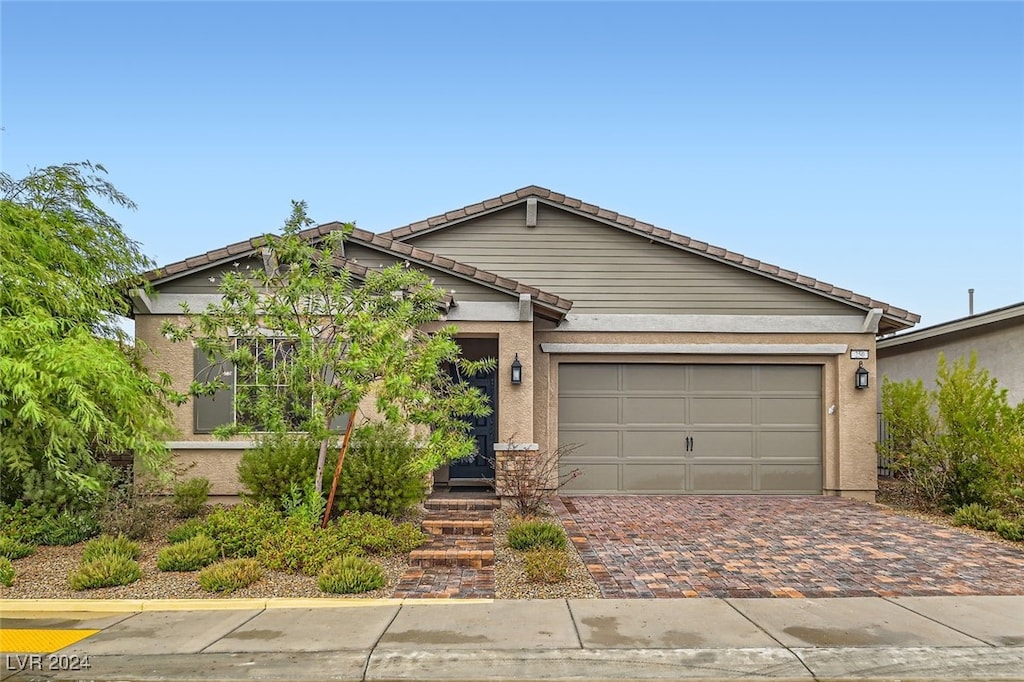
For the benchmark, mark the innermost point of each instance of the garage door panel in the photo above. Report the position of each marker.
(789, 477)
(721, 378)
(722, 478)
(670, 378)
(594, 478)
(654, 478)
(732, 444)
(739, 411)
(643, 410)
(589, 410)
(654, 443)
(588, 377)
(789, 410)
(803, 444)
(796, 378)
(592, 443)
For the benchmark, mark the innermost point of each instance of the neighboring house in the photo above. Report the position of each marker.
(677, 366)
(997, 336)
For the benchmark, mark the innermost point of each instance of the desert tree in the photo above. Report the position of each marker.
(341, 334)
(72, 386)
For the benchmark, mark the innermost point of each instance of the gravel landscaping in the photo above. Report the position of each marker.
(44, 574)
(510, 576)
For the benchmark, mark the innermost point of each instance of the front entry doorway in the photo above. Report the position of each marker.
(480, 465)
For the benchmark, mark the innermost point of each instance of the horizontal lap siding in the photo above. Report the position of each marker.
(603, 269)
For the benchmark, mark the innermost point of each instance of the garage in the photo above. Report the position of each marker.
(693, 429)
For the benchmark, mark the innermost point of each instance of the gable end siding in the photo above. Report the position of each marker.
(603, 269)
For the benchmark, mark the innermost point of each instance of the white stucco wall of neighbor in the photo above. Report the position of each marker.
(999, 346)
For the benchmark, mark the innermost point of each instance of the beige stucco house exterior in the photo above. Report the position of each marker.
(673, 365)
(997, 336)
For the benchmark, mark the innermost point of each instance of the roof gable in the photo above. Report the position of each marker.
(248, 251)
(893, 317)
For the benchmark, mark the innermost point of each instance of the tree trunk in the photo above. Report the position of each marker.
(321, 462)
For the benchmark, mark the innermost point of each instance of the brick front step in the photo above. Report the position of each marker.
(462, 504)
(452, 525)
(452, 551)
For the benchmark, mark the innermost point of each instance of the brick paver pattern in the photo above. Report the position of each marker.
(746, 546)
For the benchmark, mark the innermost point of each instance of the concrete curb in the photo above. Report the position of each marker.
(10, 607)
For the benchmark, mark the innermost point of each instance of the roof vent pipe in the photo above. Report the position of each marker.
(970, 302)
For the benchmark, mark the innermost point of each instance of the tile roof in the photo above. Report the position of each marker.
(635, 226)
(369, 239)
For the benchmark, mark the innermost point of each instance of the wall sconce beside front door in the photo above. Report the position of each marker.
(517, 371)
(860, 377)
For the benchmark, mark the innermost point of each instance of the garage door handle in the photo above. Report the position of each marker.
(689, 443)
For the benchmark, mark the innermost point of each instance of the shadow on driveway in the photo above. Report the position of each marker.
(746, 546)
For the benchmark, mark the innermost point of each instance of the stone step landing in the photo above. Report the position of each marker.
(458, 560)
(452, 504)
(459, 523)
(469, 551)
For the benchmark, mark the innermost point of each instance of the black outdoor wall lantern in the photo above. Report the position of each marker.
(517, 371)
(860, 378)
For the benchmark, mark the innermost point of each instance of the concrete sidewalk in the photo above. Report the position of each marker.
(941, 638)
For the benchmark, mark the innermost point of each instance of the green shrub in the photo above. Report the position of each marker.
(378, 475)
(14, 549)
(190, 496)
(40, 489)
(959, 444)
(1010, 530)
(976, 516)
(107, 545)
(304, 504)
(231, 575)
(36, 525)
(275, 464)
(108, 570)
(351, 575)
(239, 530)
(67, 529)
(526, 535)
(6, 572)
(189, 555)
(546, 565)
(377, 534)
(297, 546)
(21, 522)
(184, 531)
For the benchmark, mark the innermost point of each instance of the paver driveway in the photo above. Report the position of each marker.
(745, 546)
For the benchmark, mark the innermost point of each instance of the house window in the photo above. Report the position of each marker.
(264, 381)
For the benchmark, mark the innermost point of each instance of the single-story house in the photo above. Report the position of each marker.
(675, 366)
(997, 336)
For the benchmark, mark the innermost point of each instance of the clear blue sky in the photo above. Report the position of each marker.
(877, 146)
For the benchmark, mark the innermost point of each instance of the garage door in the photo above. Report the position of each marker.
(646, 428)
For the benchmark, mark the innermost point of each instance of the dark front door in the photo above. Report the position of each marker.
(481, 463)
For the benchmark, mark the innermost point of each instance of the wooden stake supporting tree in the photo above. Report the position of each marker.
(337, 469)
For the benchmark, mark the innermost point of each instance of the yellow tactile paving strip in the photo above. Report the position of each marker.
(17, 641)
